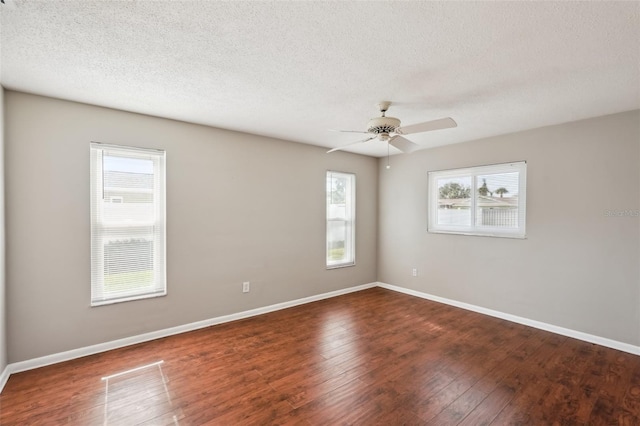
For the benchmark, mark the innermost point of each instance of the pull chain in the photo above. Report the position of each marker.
(388, 166)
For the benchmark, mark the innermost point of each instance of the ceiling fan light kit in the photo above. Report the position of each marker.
(387, 129)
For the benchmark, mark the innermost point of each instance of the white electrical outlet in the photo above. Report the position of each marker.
(246, 286)
(415, 272)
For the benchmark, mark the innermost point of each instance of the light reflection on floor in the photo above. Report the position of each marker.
(138, 396)
(337, 332)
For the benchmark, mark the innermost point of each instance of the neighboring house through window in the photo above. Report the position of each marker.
(486, 200)
(127, 223)
(341, 200)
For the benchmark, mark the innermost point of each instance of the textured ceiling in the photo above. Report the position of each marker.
(293, 70)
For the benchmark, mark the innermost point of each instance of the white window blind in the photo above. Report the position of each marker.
(127, 223)
(341, 203)
(485, 200)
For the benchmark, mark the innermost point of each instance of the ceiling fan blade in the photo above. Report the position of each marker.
(442, 123)
(352, 143)
(404, 145)
(347, 131)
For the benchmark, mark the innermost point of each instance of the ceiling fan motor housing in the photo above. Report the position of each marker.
(382, 125)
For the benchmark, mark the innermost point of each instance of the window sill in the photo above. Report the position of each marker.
(127, 299)
(479, 234)
(341, 265)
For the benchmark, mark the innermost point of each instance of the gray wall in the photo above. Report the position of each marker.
(3, 305)
(240, 208)
(577, 268)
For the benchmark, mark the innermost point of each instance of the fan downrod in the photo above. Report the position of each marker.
(383, 106)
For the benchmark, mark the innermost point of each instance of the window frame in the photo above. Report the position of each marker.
(350, 221)
(99, 228)
(473, 172)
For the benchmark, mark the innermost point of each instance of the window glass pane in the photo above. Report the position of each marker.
(336, 240)
(128, 265)
(127, 190)
(497, 202)
(454, 201)
(337, 197)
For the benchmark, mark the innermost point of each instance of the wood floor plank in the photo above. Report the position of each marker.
(434, 405)
(455, 412)
(374, 357)
(488, 408)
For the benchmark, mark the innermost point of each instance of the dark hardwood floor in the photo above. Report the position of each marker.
(372, 357)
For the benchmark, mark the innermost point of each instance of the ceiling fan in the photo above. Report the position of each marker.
(388, 129)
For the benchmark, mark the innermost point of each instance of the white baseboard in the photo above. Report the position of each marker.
(4, 376)
(127, 341)
(602, 341)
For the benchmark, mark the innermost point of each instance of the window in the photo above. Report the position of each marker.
(127, 223)
(487, 200)
(341, 203)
